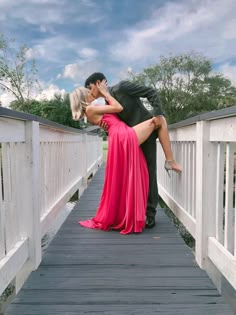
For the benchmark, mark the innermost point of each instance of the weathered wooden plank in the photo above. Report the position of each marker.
(88, 240)
(118, 296)
(75, 228)
(78, 271)
(118, 282)
(98, 258)
(179, 249)
(111, 309)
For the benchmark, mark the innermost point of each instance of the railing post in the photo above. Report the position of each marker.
(31, 193)
(2, 217)
(206, 158)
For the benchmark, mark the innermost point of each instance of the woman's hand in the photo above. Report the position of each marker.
(102, 87)
(103, 125)
(158, 121)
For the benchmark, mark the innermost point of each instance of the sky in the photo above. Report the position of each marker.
(71, 39)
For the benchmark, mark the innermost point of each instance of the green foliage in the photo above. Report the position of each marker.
(18, 75)
(187, 86)
(57, 109)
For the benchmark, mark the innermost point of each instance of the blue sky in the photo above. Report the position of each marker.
(70, 39)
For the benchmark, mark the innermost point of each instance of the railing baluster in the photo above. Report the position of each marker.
(189, 159)
(193, 172)
(234, 200)
(2, 216)
(185, 176)
(7, 186)
(229, 215)
(219, 192)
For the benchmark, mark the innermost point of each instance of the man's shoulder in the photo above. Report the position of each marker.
(121, 85)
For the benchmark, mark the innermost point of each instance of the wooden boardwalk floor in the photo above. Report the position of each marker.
(93, 272)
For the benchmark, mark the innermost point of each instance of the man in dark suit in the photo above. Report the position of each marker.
(129, 94)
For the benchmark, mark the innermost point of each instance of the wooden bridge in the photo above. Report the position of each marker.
(93, 272)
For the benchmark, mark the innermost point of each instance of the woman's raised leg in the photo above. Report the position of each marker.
(144, 130)
(163, 135)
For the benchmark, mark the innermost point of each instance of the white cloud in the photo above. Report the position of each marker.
(88, 53)
(229, 71)
(51, 48)
(49, 92)
(54, 12)
(81, 70)
(43, 28)
(177, 27)
(71, 71)
(229, 29)
(6, 99)
(37, 52)
(57, 49)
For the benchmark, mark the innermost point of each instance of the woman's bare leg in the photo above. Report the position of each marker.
(163, 135)
(144, 130)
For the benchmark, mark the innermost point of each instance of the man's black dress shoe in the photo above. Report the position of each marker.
(150, 223)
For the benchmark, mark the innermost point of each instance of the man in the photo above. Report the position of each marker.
(129, 94)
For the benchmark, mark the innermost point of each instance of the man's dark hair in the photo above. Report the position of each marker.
(93, 78)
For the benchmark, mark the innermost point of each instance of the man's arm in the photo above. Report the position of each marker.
(138, 90)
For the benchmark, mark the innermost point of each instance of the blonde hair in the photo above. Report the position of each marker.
(78, 102)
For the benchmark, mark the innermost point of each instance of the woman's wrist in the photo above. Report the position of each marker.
(106, 95)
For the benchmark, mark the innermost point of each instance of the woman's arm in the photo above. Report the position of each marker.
(113, 107)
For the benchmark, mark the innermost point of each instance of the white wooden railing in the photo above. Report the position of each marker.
(42, 164)
(203, 196)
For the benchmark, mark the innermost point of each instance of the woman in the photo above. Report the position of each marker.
(123, 202)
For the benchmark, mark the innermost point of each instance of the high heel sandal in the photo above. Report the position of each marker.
(168, 167)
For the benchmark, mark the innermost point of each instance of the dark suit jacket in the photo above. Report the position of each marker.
(128, 94)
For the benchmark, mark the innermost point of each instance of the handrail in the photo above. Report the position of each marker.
(9, 113)
(215, 114)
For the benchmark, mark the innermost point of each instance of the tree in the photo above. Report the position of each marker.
(18, 75)
(56, 109)
(187, 86)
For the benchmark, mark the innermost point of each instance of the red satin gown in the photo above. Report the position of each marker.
(123, 201)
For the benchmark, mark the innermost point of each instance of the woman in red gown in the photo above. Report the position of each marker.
(124, 197)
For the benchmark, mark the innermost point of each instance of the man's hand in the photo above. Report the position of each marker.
(102, 87)
(158, 121)
(103, 125)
